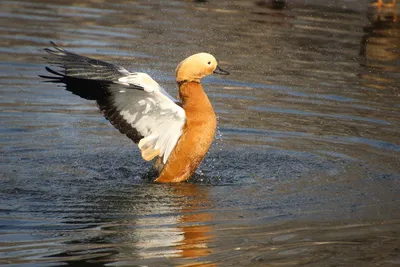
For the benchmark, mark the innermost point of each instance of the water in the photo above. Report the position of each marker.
(304, 169)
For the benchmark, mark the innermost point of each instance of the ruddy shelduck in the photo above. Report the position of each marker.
(179, 134)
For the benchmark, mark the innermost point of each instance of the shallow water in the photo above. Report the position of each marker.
(304, 169)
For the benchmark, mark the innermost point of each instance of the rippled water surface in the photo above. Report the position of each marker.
(305, 168)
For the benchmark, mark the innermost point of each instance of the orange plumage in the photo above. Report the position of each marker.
(198, 134)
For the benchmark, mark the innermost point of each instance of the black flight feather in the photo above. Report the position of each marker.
(93, 80)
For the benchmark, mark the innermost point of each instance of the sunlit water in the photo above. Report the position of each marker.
(305, 168)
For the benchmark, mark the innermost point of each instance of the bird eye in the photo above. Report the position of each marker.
(209, 62)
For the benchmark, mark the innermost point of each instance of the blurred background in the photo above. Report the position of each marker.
(305, 168)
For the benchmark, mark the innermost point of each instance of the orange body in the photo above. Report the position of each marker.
(197, 136)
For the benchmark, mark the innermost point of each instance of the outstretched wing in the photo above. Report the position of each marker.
(133, 102)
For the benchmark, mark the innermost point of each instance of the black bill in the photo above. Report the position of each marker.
(218, 70)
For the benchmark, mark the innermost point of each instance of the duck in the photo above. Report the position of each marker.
(176, 134)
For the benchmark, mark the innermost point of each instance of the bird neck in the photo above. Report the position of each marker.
(193, 97)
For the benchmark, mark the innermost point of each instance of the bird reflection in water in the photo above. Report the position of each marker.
(197, 232)
(378, 45)
(381, 3)
(182, 232)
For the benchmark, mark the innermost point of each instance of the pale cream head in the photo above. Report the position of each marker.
(195, 67)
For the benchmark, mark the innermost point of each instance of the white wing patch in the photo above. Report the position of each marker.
(140, 79)
(123, 71)
(144, 80)
(153, 113)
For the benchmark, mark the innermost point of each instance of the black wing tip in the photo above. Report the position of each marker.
(59, 77)
(55, 50)
(52, 79)
(54, 72)
(56, 46)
